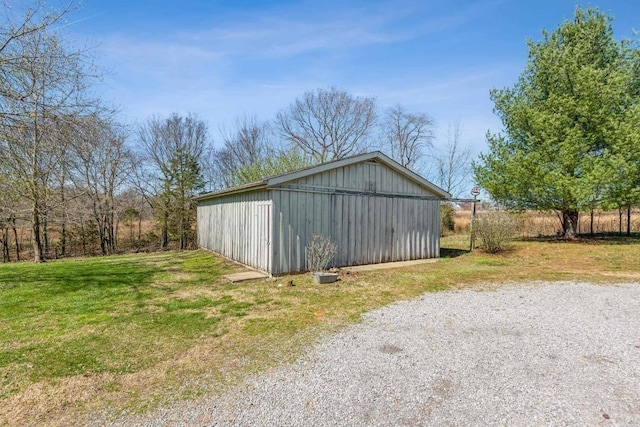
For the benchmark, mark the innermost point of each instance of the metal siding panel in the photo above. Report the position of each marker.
(226, 226)
(433, 235)
(394, 183)
(373, 231)
(413, 243)
(370, 230)
(325, 178)
(423, 224)
(351, 200)
(384, 180)
(376, 230)
(357, 230)
(401, 230)
(411, 228)
(286, 231)
(282, 256)
(364, 229)
(408, 219)
(436, 228)
(345, 229)
(388, 235)
(426, 223)
(275, 232)
(358, 176)
(394, 226)
(338, 230)
(269, 238)
(297, 208)
(327, 216)
(366, 176)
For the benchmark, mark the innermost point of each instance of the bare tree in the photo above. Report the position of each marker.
(8, 209)
(453, 162)
(408, 136)
(13, 30)
(242, 146)
(102, 163)
(328, 124)
(173, 151)
(43, 82)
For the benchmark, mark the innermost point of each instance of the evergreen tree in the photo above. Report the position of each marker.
(568, 123)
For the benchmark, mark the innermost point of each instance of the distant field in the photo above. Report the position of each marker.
(83, 336)
(535, 224)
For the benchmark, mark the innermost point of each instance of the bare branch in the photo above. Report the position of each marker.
(408, 136)
(328, 124)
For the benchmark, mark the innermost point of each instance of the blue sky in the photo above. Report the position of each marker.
(221, 59)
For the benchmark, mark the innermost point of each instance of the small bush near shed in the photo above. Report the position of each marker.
(320, 251)
(495, 230)
(447, 223)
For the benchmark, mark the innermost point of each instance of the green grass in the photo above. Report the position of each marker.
(102, 315)
(133, 332)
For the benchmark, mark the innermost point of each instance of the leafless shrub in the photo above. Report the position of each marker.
(495, 229)
(320, 251)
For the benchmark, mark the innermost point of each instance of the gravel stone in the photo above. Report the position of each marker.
(543, 354)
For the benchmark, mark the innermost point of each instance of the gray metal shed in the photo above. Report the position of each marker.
(374, 209)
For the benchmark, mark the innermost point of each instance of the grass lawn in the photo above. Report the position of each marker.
(83, 336)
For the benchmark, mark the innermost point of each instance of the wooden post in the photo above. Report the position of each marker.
(474, 192)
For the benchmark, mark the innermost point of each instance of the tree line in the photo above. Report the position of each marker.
(75, 179)
(328, 124)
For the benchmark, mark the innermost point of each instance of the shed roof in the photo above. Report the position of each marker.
(323, 167)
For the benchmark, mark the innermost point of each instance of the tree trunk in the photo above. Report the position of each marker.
(628, 220)
(164, 239)
(115, 234)
(591, 223)
(45, 233)
(15, 237)
(63, 237)
(84, 239)
(569, 222)
(5, 244)
(620, 221)
(181, 231)
(101, 236)
(63, 226)
(38, 254)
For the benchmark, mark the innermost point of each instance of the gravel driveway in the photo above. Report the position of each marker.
(536, 355)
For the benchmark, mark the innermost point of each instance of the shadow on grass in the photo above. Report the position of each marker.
(590, 239)
(452, 253)
(79, 275)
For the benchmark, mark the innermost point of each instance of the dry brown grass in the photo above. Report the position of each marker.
(537, 224)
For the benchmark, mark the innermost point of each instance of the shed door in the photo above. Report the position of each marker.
(263, 235)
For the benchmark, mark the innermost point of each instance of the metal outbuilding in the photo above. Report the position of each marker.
(373, 208)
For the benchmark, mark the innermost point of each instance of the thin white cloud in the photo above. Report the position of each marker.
(197, 70)
(165, 54)
(287, 34)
